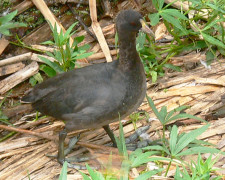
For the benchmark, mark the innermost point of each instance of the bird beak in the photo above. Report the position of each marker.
(146, 29)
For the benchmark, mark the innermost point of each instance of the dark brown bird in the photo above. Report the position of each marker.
(95, 96)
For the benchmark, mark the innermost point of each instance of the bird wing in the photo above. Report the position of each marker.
(81, 96)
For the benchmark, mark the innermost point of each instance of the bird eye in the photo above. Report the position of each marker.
(133, 23)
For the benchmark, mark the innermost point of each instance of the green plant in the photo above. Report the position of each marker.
(207, 34)
(6, 23)
(35, 78)
(151, 58)
(178, 145)
(200, 170)
(173, 115)
(5, 4)
(137, 116)
(4, 119)
(135, 159)
(63, 174)
(65, 54)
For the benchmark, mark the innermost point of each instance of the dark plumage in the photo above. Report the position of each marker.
(96, 95)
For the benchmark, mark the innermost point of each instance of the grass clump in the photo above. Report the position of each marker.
(172, 150)
(65, 53)
(200, 27)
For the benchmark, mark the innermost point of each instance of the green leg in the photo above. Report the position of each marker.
(110, 134)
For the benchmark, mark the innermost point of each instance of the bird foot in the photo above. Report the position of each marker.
(140, 133)
(132, 142)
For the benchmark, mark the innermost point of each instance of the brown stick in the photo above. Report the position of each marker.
(15, 59)
(40, 4)
(55, 138)
(3, 44)
(24, 131)
(18, 77)
(98, 31)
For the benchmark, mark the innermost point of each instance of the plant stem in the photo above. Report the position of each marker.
(167, 170)
(25, 46)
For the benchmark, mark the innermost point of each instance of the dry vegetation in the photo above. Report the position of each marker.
(23, 154)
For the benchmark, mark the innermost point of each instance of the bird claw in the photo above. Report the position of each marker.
(133, 137)
(71, 145)
(73, 166)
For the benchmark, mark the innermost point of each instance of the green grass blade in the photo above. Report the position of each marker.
(213, 40)
(85, 177)
(8, 17)
(173, 139)
(69, 30)
(172, 20)
(175, 13)
(196, 150)
(142, 158)
(189, 137)
(154, 18)
(148, 174)
(152, 105)
(157, 148)
(63, 174)
(94, 174)
(53, 65)
(185, 115)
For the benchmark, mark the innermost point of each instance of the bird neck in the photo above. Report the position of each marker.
(128, 56)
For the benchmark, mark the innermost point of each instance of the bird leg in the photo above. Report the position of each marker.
(132, 138)
(61, 153)
(110, 134)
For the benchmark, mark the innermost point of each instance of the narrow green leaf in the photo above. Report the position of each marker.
(157, 148)
(121, 145)
(163, 113)
(48, 43)
(13, 25)
(213, 23)
(171, 66)
(185, 115)
(173, 139)
(84, 55)
(178, 109)
(8, 17)
(79, 39)
(5, 31)
(188, 138)
(215, 7)
(152, 105)
(140, 41)
(55, 34)
(32, 81)
(175, 13)
(149, 174)
(69, 30)
(38, 77)
(53, 65)
(94, 174)
(213, 40)
(142, 158)
(51, 54)
(84, 176)
(50, 72)
(196, 150)
(154, 18)
(158, 4)
(173, 21)
(154, 76)
(63, 174)
(84, 47)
